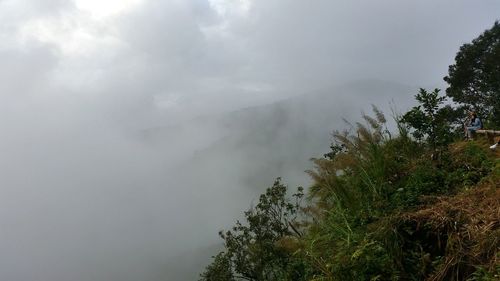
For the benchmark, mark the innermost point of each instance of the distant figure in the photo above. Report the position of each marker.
(473, 125)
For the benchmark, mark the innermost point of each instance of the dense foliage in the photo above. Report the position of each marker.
(430, 119)
(418, 204)
(474, 79)
(257, 250)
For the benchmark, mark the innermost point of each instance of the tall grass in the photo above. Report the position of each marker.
(362, 188)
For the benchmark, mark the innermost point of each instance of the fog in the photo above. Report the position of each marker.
(132, 131)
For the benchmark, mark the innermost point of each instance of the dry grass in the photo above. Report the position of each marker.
(468, 227)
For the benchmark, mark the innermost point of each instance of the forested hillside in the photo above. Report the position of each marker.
(413, 203)
(258, 143)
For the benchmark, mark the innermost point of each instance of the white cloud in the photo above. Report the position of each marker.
(228, 8)
(101, 10)
(77, 78)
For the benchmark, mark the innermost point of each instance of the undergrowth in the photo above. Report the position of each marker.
(389, 208)
(417, 204)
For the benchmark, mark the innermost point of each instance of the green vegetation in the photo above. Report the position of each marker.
(416, 205)
(431, 119)
(257, 251)
(474, 79)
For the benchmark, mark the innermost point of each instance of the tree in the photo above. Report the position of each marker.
(220, 269)
(474, 79)
(430, 120)
(257, 250)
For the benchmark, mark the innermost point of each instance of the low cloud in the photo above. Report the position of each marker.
(125, 136)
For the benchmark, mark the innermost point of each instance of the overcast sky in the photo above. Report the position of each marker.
(78, 78)
(134, 61)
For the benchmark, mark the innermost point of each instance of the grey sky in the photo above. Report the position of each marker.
(140, 59)
(82, 199)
